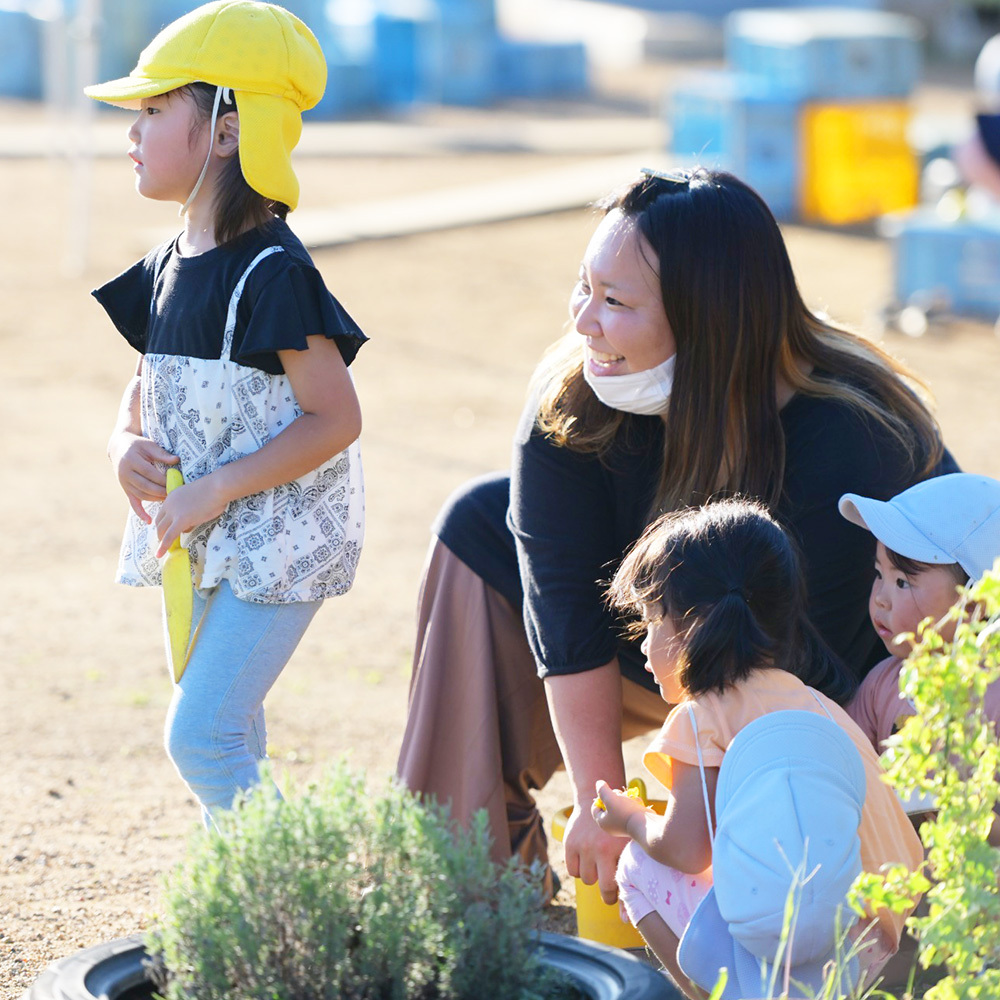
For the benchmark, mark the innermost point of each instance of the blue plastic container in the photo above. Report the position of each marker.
(350, 89)
(828, 53)
(398, 44)
(125, 29)
(20, 55)
(957, 263)
(458, 60)
(541, 69)
(348, 47)
(717, 9)
(741, 123)
(163, 12)
(483, 11)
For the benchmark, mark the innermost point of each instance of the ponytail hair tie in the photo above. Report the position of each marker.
(737, 591)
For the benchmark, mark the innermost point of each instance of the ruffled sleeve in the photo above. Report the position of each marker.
(126, 299)
(286, 301)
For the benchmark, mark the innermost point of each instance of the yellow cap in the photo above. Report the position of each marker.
(269, 58)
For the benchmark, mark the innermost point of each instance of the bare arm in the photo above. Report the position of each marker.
(586, 711)
(136, 459)
(679, 838)
(330, 421)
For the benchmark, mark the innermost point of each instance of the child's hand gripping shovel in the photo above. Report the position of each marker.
(178, 597)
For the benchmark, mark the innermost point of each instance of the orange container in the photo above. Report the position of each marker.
(857, 162)
(595, 919)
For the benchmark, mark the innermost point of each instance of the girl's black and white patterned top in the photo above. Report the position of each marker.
(214, 390)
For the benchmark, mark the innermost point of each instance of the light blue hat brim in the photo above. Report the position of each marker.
(707, 947)
(892, 528)
(947, 519)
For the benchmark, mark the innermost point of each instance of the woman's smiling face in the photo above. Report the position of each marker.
(617, 304)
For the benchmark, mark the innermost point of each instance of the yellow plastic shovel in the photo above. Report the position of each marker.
(178, 597)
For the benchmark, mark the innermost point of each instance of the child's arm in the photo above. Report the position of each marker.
(679, 838)
(136, 459)
(330, 421)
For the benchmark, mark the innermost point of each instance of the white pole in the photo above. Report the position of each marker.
(83, 35)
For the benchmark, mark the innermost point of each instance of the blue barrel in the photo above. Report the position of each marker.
(541, 69)
(20, 55)
(399, 41)
(742, 123)
(957, 262)
(458, 61)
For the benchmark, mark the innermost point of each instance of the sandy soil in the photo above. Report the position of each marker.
(92, 811)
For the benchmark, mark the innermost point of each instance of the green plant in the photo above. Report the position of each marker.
(949, 751)
(345, 893)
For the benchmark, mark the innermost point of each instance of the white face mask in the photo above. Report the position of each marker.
(646, 393)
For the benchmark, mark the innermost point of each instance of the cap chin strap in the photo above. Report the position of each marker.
(220, 92)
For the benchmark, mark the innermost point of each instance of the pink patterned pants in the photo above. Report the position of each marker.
(645, 886)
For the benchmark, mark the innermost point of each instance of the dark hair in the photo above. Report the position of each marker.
(911, 567)
(740, 324)
(729, 578)
(237, 207)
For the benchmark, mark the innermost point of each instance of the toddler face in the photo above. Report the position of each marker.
(166, 163)
(900, 601)
(662, 647)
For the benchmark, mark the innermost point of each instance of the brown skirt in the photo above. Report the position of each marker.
(478, 734)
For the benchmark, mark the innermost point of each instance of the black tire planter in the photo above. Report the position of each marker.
(117, 970)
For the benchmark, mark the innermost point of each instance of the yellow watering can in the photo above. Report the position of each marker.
(178, 596)
(595, 919)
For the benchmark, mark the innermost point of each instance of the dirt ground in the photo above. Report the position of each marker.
(92, 811)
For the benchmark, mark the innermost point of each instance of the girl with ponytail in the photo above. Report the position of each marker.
(718, 593)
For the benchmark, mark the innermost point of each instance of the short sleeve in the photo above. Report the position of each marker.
(676, 740)
(286, 301)
(126, 299)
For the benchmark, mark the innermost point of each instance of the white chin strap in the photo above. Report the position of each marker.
(219, 93)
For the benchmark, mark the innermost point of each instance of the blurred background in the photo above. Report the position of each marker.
(446, 178)
(811, 104)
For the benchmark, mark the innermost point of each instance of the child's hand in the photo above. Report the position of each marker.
(137, 463)
(184, 509)
(613, 808)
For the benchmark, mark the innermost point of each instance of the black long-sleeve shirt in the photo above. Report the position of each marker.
(549, 535)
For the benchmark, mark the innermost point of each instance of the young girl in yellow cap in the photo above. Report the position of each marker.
(242, 378)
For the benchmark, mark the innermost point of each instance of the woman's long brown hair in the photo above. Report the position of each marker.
(740, 325)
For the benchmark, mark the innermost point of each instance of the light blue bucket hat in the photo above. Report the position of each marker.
(789, 798)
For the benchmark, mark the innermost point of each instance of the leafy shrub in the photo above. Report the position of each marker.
(950, 751)
(339, 893)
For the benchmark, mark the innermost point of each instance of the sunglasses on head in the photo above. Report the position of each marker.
(678, 178)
